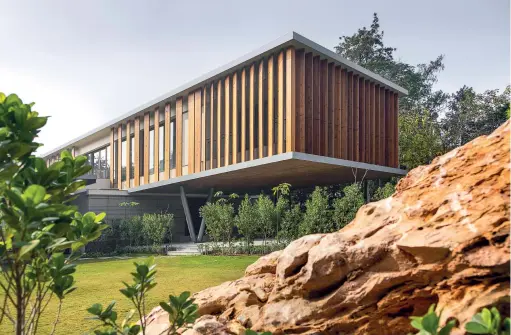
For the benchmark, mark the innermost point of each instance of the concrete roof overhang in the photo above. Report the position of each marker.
(295, 168)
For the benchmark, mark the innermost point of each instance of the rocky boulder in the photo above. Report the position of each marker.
(442, 238)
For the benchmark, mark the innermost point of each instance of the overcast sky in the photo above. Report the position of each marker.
(86, 62)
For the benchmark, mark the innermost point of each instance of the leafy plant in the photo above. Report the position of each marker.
(182, 312)
(156, 227)
(429, 323)
(246, 220)
(108, 319)
(346, 207)
(265, 216)
(317, 217)
(38, 221)
(488, 322)
(290, 223)
(219, 217)
(132, 229)
(384, 192)
(282, 204)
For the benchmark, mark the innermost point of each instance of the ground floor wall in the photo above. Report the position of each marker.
(111, 205)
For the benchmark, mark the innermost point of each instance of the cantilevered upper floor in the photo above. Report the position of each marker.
(291, 111)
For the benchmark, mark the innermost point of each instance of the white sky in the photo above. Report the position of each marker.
(87, 62)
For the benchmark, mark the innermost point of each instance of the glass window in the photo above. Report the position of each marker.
(132, 157)
(95, 162)
(123, 160)
(151, 152)
(116, 163)
(141, 153)
(107, 162)
(172, 146)
(185, 140)
(161, 148)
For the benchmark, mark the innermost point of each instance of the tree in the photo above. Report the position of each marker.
(265, 216)
(246, 221)
(290, 224)
(317, 217)
(38, 221)
(366, 48)
(346, 207)
(219, 217)
(157, 227)
(384, 192)
(419, 140)
(471, 114)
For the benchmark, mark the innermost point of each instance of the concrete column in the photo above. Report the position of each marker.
(203, 222)
(188, 216)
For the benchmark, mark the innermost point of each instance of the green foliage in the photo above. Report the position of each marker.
(108, 319)
(384, 192)
(346, 207)
(219, 217)
(419, 139)
(429, 323)
(471, 114)
(246, 220)
(290, 224)
(488, 322)
(317, 217)
(265, 216)
(423, 134)
(366, 47)
(131, 229)
(182, 311)
(156, 227)
(38, 222)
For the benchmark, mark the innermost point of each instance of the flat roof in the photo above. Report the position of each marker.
(296, 168)
(290, 39)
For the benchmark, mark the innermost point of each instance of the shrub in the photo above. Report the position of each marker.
(246, 220)
(291, 223)
(157, 227)
(37, 221)
(265, 216)
(131, 230)
(384, 192)
(346, 208)
(317, 217)
(219, 217)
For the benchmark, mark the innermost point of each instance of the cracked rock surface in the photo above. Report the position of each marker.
(442, 238)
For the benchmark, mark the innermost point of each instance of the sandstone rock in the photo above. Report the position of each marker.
(443, 238)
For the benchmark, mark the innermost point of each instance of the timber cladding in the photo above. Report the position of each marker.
(291, 99)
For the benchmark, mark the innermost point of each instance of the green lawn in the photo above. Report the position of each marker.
(100, 281)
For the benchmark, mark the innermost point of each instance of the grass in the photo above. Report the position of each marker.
(99, 281)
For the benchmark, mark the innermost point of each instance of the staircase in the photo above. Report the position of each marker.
(184, 249)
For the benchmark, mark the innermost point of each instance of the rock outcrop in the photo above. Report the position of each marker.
(442, 238)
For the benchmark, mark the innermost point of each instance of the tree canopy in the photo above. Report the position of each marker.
(431, 120)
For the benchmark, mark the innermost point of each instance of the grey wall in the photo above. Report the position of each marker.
(110, 204)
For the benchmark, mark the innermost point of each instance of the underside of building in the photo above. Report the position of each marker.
(291, 112)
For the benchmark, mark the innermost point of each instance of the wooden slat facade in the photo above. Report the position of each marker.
(289, 100)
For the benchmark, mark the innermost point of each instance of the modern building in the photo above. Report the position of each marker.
(291, 111)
